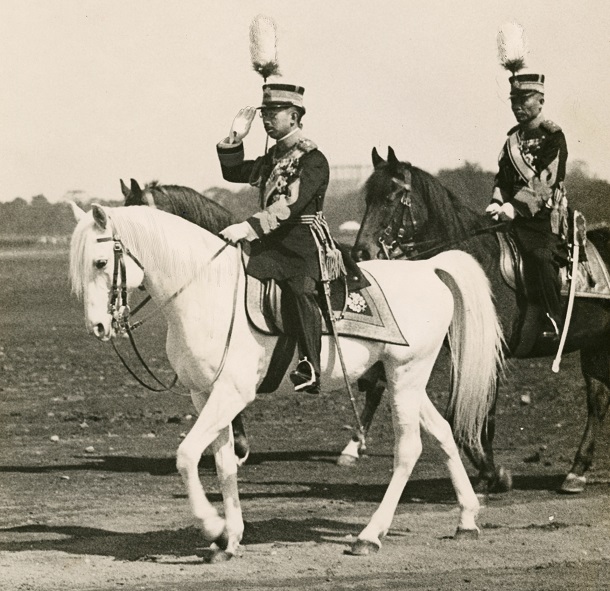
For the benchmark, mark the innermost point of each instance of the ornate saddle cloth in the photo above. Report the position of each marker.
(363, 313)
(592, 280)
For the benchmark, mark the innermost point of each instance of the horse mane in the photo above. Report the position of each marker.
(447, 212)
(449, 217)
(80, 251)
(191, 205)
(156, 238)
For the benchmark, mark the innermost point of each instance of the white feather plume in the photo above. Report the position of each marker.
(263, 46)
(512, 47)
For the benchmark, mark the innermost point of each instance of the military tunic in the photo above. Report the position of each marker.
(289, 187)
(532, 168)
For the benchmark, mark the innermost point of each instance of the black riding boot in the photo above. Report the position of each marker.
(307, 324)
(549, 290)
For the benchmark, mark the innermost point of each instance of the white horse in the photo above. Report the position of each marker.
(221, 358)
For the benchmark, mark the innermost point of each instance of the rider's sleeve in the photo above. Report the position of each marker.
(235, 168)
(305, 195)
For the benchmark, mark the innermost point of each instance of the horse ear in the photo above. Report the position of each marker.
(79, 213)
(136, 190)
(124, 189)
(100, 216)
(377, 159)
(392, 160)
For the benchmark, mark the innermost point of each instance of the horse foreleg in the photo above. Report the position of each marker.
(226, 469)
(240, 440)
(433, 422)
(407, 449)
(214, 418)
(595, 364)
(373, 384)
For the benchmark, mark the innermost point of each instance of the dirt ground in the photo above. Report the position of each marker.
(90, 498)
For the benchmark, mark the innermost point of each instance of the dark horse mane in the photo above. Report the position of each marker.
(185, 202)
(449, 217)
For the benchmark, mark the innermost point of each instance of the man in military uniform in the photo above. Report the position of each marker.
(292, 178)
(529, 190)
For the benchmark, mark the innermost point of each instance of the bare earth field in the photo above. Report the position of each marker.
(90, 498)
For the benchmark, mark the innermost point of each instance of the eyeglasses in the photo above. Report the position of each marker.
(271, 113)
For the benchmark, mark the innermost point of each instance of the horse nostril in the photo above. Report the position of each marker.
(360, 254)
(98, 330)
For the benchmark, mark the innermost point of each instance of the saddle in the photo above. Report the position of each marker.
(359, 307)
(592, 281)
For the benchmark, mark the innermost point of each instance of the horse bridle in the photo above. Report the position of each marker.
(398, 240)
(118, 306)
(119, 310)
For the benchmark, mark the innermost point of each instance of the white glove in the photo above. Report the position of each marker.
(493, 209)
(507, 212)
(241, 124)
(236, 232)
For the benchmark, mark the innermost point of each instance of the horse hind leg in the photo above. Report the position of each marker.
(433, 423)
(407, 449)
(490, 479)
(595, 364)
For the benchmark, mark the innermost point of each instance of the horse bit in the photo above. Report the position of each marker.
(401, 243)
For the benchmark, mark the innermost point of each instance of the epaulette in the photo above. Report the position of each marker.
(549, 126)
(306, 145)
(512, 130)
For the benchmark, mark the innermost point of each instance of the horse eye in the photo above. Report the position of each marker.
(101, 263)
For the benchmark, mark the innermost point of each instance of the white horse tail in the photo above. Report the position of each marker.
(476, 342)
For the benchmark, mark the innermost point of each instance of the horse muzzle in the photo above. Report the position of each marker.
(103, 331)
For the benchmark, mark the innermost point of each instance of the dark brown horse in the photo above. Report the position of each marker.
(202, 211)
(412, 215)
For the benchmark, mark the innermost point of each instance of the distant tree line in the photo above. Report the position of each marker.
(26, 221)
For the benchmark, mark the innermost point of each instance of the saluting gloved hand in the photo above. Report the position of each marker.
(507, 212)
(236, 232)
(241, 124)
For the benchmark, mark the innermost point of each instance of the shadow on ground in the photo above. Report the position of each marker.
(178, 543)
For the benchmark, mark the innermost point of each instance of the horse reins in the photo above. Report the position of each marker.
(121, 313)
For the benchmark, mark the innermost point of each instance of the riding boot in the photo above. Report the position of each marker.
(549, 287)
(308, 327)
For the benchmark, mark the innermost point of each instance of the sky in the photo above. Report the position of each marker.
(95, 91)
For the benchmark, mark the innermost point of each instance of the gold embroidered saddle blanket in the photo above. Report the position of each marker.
(362, 313)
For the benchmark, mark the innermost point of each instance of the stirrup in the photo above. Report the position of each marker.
(556, 333)
(304, 376)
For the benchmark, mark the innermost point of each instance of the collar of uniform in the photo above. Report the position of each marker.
(285, 144)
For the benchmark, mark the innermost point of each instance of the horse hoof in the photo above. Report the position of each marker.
(363, 548)
(242, 449)
(346, 460)
(503, 482)
(222, 541)
(466, 534)
(218, 556)
(241, 460)
(573, 484)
